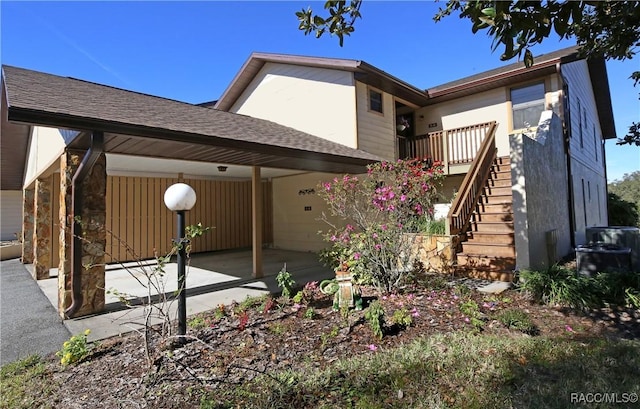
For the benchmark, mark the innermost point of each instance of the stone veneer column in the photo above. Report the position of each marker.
(27, 225)
(42, 229)
(93, 237)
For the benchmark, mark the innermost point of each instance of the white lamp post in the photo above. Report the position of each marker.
(179, 198)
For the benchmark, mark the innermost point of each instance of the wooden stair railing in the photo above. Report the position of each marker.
(465, 202)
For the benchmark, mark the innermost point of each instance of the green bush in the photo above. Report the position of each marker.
(375, 316)
(563, 286)
(518, 320)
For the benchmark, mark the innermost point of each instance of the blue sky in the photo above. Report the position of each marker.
(190, 51)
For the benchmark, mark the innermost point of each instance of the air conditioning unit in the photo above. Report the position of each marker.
(622, 236)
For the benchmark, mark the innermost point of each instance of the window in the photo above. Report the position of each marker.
(527, 104)
(375, 101)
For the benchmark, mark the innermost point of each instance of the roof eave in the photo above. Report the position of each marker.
(602, 94)
(65, 121)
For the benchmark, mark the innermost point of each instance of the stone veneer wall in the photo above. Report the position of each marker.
(436, 253)
(94, 237)
(42, 229)
(27, 226)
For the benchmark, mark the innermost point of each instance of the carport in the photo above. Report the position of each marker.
(95, 120)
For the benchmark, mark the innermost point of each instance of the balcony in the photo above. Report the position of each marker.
(455, 148)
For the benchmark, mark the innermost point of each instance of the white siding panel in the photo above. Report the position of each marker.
(376, 133)
(10, 214)
(318, 101)
(45, 147)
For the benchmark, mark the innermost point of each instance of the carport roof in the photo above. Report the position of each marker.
(146, 125)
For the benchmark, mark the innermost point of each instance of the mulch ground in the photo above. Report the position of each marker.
(240, 344)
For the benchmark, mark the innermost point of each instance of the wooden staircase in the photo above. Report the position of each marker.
(488, 247)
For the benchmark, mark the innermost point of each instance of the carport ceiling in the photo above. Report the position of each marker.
(149, 126)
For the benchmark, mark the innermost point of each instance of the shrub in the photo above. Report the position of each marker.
(378, 209)
(375, 316)
(518, 320)
(75, 349)
(285, 282)
(402, 318)
(563, 286)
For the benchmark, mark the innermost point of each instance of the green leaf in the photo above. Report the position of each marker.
(489, 11)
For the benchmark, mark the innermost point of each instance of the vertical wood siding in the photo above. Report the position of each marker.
(138, 223)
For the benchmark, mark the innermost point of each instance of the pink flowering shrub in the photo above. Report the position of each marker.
(369, 214)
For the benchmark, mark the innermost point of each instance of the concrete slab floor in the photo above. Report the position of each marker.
(212, 279)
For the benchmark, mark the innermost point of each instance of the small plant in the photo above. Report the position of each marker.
(375, 316)
(75, 349)
(310, 313)
(243, 320)
(402, 318)
(472, 311)
(268, 304)
(518, 320)
(285, 282)
(219, 312)
(277, 328)
(325, 337)
(198, 321)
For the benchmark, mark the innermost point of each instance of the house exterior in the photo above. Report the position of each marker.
(521, 147)
(556, 179)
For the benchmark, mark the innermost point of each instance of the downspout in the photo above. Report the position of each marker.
(567, 151)
(91, 156)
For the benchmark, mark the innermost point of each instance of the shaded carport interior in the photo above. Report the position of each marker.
(142, 125)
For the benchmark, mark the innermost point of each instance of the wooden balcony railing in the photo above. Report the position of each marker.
(473, 183)
(451, 146)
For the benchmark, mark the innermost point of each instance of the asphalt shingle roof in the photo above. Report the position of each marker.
(46, 99)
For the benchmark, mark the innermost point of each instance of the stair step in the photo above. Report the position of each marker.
(488, 227)
(492, 217)
(490, 237)
(484, 274)
(500, 268)
(495, 208)
(497, 191)
(488, 249)
(499, 182)
(496, 199)
(502, 160)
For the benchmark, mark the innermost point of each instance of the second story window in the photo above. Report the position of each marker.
(527, 103)
(375, 100)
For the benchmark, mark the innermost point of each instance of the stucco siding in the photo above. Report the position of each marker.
(540, 195)
(376, 131)
(295, 228)
(10, 214)
(45, 147)
(587, 161)
(318, 101)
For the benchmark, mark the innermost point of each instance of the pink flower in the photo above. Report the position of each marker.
(414, 312)
(372, 347)
(410, 296)
(466, 319)
(356, 256)
(403, 198)
(568, 328)
(384, 297)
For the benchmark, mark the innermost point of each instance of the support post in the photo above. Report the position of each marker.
(42, 229)
(28, 197)
(256, 219)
